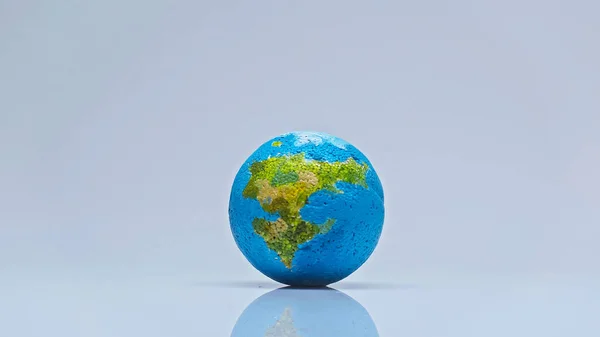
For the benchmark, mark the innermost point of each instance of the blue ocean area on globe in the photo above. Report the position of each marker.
(306, 209)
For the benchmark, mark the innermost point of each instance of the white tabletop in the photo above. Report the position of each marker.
(144, 304)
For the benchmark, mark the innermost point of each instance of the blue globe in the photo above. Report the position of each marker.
(306, 209)
(321, 312)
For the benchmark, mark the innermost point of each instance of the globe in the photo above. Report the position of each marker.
(322, 312)
(306, 209)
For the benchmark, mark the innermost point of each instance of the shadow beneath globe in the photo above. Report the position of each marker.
(240, 285)
(339, 285)
(294, 312)
(371, 286)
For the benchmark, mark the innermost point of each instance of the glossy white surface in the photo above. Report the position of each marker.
(184, 305)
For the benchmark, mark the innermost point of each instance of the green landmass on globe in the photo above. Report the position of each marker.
(283, 184)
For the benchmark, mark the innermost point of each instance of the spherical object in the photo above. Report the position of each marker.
(298, 312)
(306, 209)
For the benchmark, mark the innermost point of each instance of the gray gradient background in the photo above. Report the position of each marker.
(123, 123)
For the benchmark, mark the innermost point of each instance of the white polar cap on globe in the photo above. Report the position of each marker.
(317, 138)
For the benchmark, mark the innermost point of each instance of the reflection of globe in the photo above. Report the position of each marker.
(289, 312)
(306, 209)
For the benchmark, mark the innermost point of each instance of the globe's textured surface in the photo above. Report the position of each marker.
(306, 209)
